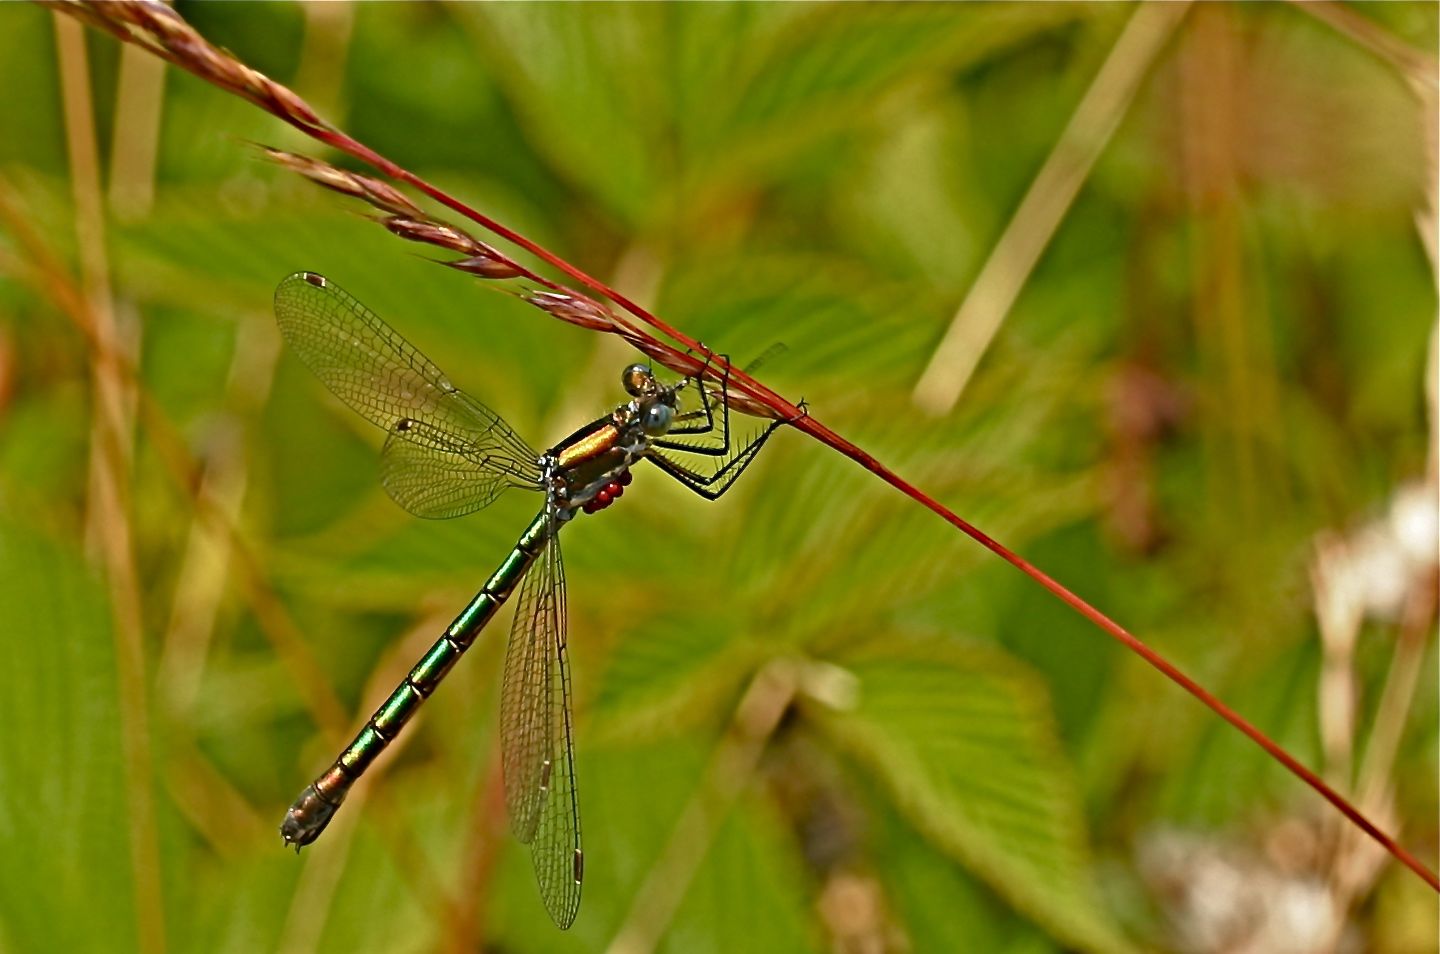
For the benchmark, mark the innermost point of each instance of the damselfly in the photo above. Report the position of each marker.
(446, 454)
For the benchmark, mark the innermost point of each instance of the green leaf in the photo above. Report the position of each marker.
(64, 820)
(750, 89)
(962, 739)
(943, 907)
(669, 673)
(747, 869)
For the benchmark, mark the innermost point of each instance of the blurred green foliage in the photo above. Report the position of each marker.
(1219, 357)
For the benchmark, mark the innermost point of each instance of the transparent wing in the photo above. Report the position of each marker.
(537, 746)
(556, 851)
(524, 699)
(369, 366)
(439, 483)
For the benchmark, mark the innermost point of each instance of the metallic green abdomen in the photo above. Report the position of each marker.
(312, 811)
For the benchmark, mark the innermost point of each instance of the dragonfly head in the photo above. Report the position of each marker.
(639, 381)
(654, 404)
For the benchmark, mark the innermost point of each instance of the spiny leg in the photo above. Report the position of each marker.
(702, 421)
(712, 485)
(705, 411)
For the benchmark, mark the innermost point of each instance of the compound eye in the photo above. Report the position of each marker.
(637, 380)
(656, 419)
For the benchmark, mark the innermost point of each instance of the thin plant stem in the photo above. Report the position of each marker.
(209, 802)
(109, 510)
(135, 144)
(1373, 783)
(204, 568)
(1415, 65)
(1040, 212)
(731, 766)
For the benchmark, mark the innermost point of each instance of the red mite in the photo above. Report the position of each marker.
(608, 494)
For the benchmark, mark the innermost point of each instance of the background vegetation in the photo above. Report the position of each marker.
(810, 716)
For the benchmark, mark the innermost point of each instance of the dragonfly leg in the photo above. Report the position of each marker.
(702, 420)
(708, 429)
(706, 411)
(712, 485)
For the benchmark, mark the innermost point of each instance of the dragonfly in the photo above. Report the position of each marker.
(445, 455)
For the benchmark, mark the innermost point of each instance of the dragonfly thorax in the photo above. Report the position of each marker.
(588, 474)
(590, 469)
